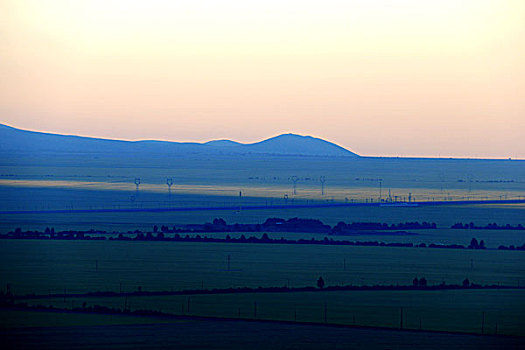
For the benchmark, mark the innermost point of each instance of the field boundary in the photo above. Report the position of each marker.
(264, 207)
(258, 290)
(101, 310)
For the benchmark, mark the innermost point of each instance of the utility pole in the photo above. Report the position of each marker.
(240, 201)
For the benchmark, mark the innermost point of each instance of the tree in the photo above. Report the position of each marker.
(415, 282)
(219, 222)
(320, 282)
(466, 283)
(473, 244)
(422, 282)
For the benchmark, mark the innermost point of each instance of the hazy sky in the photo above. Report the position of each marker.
(390, 77)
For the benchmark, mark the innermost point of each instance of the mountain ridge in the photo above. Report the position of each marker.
(19, 140)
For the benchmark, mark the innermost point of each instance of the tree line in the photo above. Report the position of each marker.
(264, 239)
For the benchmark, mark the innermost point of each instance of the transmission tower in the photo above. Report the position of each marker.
(322, 179)
(294, 180)
(137, 183)
(169, 182)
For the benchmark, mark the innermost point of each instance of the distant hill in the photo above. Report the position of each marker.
(17, 141)
(297, 144)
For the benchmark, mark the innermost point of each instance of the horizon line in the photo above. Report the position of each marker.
(393, 155)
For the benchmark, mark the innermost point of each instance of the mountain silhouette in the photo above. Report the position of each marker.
(297, 144)
(17, 141)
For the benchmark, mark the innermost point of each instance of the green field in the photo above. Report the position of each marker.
(47, 182)
(79, 266)
(96, 331)
(454, 311)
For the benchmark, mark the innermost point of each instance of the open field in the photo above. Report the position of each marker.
(453, 311)
(50, 182)
(80, 266)
(15, 319)
(246, 170)
(58, 183)
(230, 334)
(444, 216)
(346, 179)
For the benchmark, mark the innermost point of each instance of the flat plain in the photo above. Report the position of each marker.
(42, 185)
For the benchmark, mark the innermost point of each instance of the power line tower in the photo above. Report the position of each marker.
(137, 183)
(322, 179)
(169, 182)
(294, 180)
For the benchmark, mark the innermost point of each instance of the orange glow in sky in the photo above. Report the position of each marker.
(392, 77)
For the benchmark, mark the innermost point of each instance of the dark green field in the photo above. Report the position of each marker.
(43, 267)
(85, 331)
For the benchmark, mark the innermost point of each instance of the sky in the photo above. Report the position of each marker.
(379, 77)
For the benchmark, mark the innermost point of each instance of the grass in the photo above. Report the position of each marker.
(452, 311)
(10, 319)
(81, 266)
(52, 266)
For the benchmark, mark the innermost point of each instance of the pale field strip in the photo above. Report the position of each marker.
(332, 193)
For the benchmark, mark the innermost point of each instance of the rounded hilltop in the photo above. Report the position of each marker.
(299, 145)
(25, 141)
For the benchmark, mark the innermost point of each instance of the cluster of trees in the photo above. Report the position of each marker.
(511, 247)
(50, 233)
(270, 225)
(266, 239)
(291, 225)
(342, 227)
(444, 246)
(421, 282)
(98, 309)
(475, 245)
(492, 226)
(160, 236)
(252, 239)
